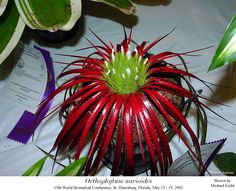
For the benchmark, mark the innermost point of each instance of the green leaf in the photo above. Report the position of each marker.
(11, 29)
(226, 51)
(74, 169)
(36, 168)
(3, 5)
(202, 124)
(126, 6)
(49, 15)
(226, 162)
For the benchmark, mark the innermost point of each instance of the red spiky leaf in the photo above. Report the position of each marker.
(131, 120)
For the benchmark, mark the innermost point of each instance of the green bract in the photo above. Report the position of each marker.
(125, 73)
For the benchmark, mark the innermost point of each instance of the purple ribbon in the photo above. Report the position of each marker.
(27, 125)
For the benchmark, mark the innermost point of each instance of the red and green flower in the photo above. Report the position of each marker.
(119, 93)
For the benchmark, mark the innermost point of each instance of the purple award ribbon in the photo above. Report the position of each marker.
(26, 125)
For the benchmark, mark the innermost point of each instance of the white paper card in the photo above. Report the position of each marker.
(28, 79)
(187, 165)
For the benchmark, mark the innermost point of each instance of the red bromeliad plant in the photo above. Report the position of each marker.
(120, 94)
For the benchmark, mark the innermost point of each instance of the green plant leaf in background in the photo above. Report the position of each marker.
(3, 5)
(50, 15)
(226, 162)
(226, 51)
(74, 169)
(126, 6)
(11, 29)
(36, 168)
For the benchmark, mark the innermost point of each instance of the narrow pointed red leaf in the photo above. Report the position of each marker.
(102, 54)
(140, 135)
(179, 117)
(88, 126)
(119, 142)
(137, 111)
(152, 125)
(99, 127)
(129, 140)
(108, 49)
(140, 48)
(74, 115)
(108, 132)
(166, 152)
(156, 41)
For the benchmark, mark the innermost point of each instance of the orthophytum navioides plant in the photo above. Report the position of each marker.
(119, 93)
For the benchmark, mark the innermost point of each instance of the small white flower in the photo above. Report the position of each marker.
(128, 54)
(113, 70)
(108, 72)
(136, 68)
(128, 46)
(136, 77)
(123, 75)
(128, 71)
(140, 58)
(122, 49)
(113, 55)
(106, 63)
(145, 61)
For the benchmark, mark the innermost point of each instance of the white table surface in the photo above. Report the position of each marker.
(200, 23)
